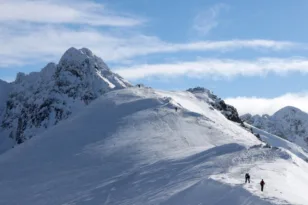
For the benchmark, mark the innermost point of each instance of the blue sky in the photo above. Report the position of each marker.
(253, 54)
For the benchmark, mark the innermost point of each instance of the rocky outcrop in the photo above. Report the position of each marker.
(228, 111)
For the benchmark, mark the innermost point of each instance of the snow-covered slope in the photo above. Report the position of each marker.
(289, 123)
(40, 100)
(131, 146)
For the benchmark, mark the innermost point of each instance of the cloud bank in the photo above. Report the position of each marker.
(255, 105)
(46, 43)
(217, 68)
(60, 12)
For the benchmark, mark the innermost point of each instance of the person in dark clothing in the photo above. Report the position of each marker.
(176, 109)
(247, 178)
(262, 183)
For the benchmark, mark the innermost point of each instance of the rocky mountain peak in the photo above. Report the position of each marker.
(73, 55)
(199, 90)
(288, 111)
(49, 70)
(39, 100)
(82, 56)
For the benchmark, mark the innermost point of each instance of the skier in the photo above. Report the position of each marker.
(176, 109)
(247, 178)
(262, 183)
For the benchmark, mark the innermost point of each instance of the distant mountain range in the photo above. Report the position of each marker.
(289, 123)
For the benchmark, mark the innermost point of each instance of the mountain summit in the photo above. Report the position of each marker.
(42, 99)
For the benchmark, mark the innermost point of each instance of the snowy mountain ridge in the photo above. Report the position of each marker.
(289, 123)
(42, 99)
(131, 146)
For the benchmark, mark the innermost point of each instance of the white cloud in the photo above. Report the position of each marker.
(217, 68)
(207, 20)
(255, 105)
(40, 31)
(228, 45)
(73, 12)
(28, 43)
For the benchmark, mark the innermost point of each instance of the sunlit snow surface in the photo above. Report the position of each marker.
(131, 147)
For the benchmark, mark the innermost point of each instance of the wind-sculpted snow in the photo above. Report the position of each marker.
(289, 123)
(131, 146)
(42, 99)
